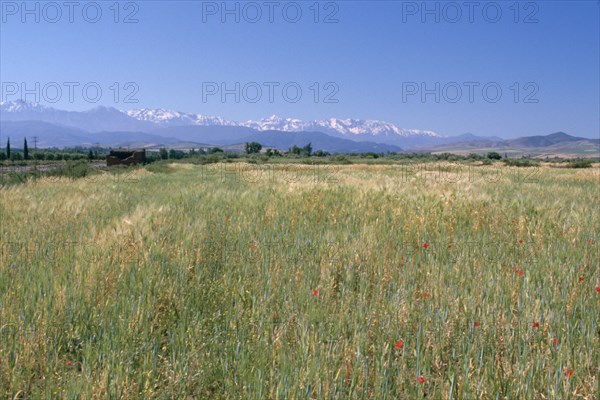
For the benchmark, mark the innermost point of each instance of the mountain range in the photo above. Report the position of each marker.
(151, 128)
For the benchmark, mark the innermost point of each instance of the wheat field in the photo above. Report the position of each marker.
(250, 281)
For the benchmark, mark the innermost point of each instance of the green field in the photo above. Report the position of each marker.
(241, 281)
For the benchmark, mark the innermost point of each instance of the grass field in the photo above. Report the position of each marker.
(292, 281)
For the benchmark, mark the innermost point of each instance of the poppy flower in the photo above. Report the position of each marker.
(536, 324)
(597, 289)
(477, 323)
(520, 272)
(391, 246)
(590, 241)
(555, 341)
(513, 222)
(315, 292)
(425, 245)
(68, 363)
(421, 379)
(569, 373)
(521, 241)
(426, 295)
(449, 246)
(252, 246)
(399, 344)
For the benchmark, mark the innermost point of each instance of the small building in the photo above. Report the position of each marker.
(125, 157)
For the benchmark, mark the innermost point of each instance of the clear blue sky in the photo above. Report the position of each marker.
(376, 49)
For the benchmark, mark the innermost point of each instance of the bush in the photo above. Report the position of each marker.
(580, 164)
(520, 162)
(492, 155)
(341, 159)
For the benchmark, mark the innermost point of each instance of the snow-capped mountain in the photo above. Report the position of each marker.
(95, 120)
(345, 127)
(201, 128)
(19, 106)
(352, 128)
(108, 118)
(166, 118)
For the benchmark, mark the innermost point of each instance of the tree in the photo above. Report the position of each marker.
(25, 149)
(273, 153)
(176, 154)
(295, 150)
(8, 148)
(2, 156)
(215, 150)
(163, 154)
(90, 155)
(307, 150)
(253, 148)
(494, 156)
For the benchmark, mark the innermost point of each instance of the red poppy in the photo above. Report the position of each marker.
(425, 245)
(421, 379)
(520, 272)
(536, 324)
(399, 344)
(597, 289)
(315, 292)
(68, 363)
(450, 246)
(555, 341)
(252, 246)
(569, 373)
(521, 241)
(513, 222)
(391, 246)
(426, 295)
(402, 258)
(590, 241)
(477, 323)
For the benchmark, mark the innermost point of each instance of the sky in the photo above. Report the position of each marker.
(500, 68)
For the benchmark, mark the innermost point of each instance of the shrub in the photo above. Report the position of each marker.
(520, 162)
(580, 163)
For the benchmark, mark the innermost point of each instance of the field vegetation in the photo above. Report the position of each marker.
(284, 280)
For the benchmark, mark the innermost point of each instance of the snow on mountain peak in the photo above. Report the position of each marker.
(336, 126)
(356, 128)
(19, 105)
(164, 117)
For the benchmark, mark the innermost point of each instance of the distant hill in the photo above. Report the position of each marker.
(550, 140)
(555, 144)
(319, 141)
(50, 135)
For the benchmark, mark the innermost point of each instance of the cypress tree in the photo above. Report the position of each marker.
(25, 149)
(8, 148)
